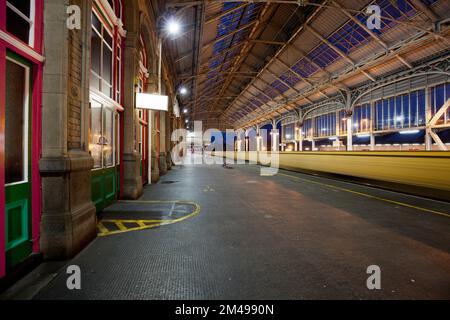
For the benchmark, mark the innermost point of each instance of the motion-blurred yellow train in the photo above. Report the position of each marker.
(421, 173)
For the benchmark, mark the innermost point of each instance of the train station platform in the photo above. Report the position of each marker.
(208, 232)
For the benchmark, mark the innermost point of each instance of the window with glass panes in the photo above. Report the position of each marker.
(325, 125)
(342, 122)
(307, 131)
(20, 15)
(401, 111)
(101, 57)
(105, 85)
(438, 96)
(362, 118)
(289, 131)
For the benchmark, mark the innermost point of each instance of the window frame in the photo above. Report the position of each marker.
(30, 20)
(26, 127)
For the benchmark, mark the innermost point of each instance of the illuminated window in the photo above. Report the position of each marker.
(402, 111)
(102, 144)
(325, 125)
(362, 118)
(342, 122)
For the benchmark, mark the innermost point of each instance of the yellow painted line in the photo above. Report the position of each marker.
(130, 221)
(141, 223)
(120, 225)
(101, 227)
(369, 196)
(145, 224)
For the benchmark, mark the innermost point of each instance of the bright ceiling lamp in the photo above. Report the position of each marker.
(173, 27)
(183, 91)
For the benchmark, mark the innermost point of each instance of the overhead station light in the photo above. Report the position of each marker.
(409, 131)
(152, 102)
(173, 27)
(183, 91)
(185, 110)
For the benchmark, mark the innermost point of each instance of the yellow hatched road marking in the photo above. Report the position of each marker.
(369, 195)
(102, 228)
(141, 223)
(120, 225)
(144, 224)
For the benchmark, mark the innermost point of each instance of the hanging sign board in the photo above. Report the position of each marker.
(152, 102)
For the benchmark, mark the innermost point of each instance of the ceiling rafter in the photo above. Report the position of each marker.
(244, 50)
(294, 36)
(348, 73)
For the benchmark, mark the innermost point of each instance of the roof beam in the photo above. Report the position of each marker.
(212, 19)
(193, 3)
(425, 10)
(293, 37)
(375, 62)
(339, 52)
(246, 49)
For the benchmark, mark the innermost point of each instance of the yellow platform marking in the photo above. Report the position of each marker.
(120, 225)
(143, 224)
(369, 196)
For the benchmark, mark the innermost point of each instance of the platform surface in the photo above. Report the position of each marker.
(291, 236)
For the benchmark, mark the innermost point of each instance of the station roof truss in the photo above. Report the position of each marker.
(248, 61)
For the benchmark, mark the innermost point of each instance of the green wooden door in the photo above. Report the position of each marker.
(18, 160)
(104, 187)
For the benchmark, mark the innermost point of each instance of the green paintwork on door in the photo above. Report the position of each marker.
(104, 187)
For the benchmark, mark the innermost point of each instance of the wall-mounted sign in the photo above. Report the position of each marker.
(152, 101)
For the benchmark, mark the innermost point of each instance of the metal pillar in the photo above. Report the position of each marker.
(275, 143)
(258, 139)
(348, 114)
(300, 138)
(372, 142)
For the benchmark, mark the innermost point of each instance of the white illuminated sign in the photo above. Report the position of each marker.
(152, 101)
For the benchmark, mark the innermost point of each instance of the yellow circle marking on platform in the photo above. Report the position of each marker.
(143, 224)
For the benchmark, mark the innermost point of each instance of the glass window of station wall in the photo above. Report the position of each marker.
(395, 113)
(105, 87)
(20, 20)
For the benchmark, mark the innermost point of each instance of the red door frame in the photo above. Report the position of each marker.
(158, 126)
(2, 162)
(36, 78)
